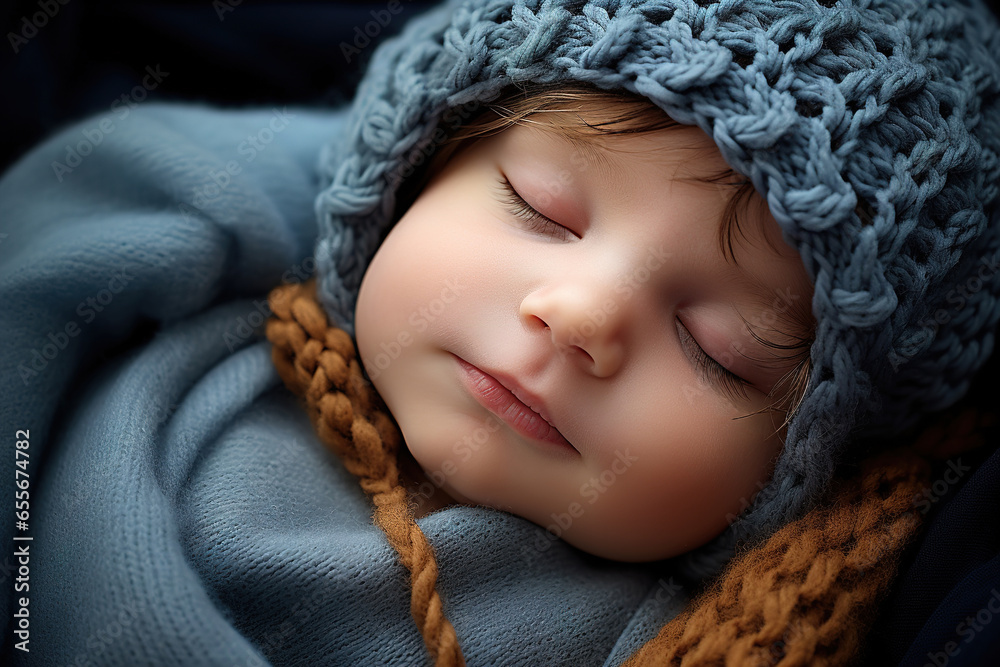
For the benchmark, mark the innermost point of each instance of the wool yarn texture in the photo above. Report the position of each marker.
(319, 363)
(804, 597)
(870, 127)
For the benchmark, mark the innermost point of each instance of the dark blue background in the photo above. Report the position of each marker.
(260, 53)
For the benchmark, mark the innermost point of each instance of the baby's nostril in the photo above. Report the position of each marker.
(545, 325)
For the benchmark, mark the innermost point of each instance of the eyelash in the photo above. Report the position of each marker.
(533, 220)
(719, 375)
(734, 386)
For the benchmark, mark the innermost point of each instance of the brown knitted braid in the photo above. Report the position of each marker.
(318, 362)
(804, 597)
(808, 594)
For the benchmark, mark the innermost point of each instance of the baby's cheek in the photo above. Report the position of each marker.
(660, 502)
(640, 521)
(639, 529)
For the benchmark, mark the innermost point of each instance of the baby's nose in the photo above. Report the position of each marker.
(585, 325)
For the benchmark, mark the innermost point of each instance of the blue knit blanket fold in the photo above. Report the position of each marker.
(181, 509)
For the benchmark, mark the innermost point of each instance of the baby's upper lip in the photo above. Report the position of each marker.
(526, 396)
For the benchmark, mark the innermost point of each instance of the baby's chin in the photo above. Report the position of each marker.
(590, 537)
(598, 543)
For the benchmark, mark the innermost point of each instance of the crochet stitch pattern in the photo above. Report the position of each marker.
(319, 363)
(871, 128)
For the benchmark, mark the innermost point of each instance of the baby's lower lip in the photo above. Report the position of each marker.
(496, 398)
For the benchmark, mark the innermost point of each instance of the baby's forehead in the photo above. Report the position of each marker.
(682, 151)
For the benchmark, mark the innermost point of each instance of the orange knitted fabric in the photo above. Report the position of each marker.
(807, 595)
(804, 597)
(318, 362)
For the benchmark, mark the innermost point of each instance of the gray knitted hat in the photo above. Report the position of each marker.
(871, 128)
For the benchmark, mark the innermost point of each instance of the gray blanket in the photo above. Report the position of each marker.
(180, 509)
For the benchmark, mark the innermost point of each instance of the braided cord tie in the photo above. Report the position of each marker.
(803, 597)
(807, 595)
(318, 362)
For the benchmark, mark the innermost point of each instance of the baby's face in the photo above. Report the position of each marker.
(553, 369)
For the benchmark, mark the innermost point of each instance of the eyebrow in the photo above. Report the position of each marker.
(605, 162)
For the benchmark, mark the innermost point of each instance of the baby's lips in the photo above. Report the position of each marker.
(518, 407)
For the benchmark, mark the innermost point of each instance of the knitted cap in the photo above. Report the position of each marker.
(871, 128)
